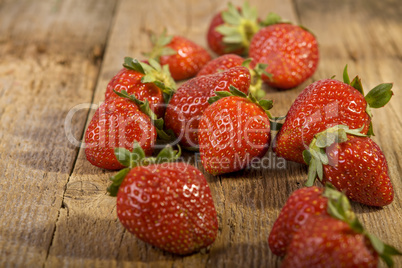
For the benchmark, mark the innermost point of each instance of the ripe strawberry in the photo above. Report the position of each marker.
(221, 63)
(228, 61)
(302, 204)
(327, 242)
(318, 228)
(168, 205)
(290, 51)
(191, 99)
(184, 57)
(355, 165)
(230, 31)
(324, 104)
(233, 131)
(117, 123)
(145, 82)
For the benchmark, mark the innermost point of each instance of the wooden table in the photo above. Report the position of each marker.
(56, 58)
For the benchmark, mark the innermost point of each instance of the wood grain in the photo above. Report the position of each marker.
(47, 66)
(61, 55)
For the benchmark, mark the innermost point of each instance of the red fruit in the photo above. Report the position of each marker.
(221, 63)
(290, 51)
(168, 206)
(117, 122)
(191, 99)
(327, 242)
(184, 57)
(233, 132)
(324, 104)
(359, 168)
(230, 31)
(354, 165)
(300, 206)
(152, 88)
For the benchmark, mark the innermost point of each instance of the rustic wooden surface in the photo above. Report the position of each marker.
(56, 58)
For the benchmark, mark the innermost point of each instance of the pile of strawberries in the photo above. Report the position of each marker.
(220, 112)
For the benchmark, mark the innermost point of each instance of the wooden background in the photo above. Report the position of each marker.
(56, 58)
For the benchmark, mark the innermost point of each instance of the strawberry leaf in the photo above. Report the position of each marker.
(223, 94)
(116, 181)
(123, 156)
(237, 92)
(159, 46)
(312, 172)
(385, 251)
(232, 15)
(346, 79)
(272, 18)
(133, 64)
(380, 95)
(306, 157)
(357, 84)
(167, 154)
(370, 131)
(266, 104)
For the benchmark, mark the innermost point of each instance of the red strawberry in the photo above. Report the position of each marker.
(228, 61)
(302, 204)
(233, 131)
(319, 229)
(290, 51)
(184, 57)
(327, 242)
(191, 99)
(117, 122)
(168, 205)
(221, 63)
(230, 31)
(145, 82)
(355, 165)
(324, 104)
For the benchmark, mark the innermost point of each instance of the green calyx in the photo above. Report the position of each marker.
(315, 157)
(144, 107)
(378, 97)
(264, 104)
(256, 80)
(153, 73)
(159, 46)
(137, 158)
(339, 208)
(239, 27)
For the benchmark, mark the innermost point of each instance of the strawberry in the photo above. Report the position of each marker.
(317, 228)
(191, 99)
(228, 61)
(184, 57)
(168, 205)
(290, 51)
(230, 31)
(117, 123)
(221, 63)
(233, 131)
(327, 242)
(145, 82)
(324, 104)
(353, 163)
(302, 204)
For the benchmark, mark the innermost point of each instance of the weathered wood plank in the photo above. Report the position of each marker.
(47, 66)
